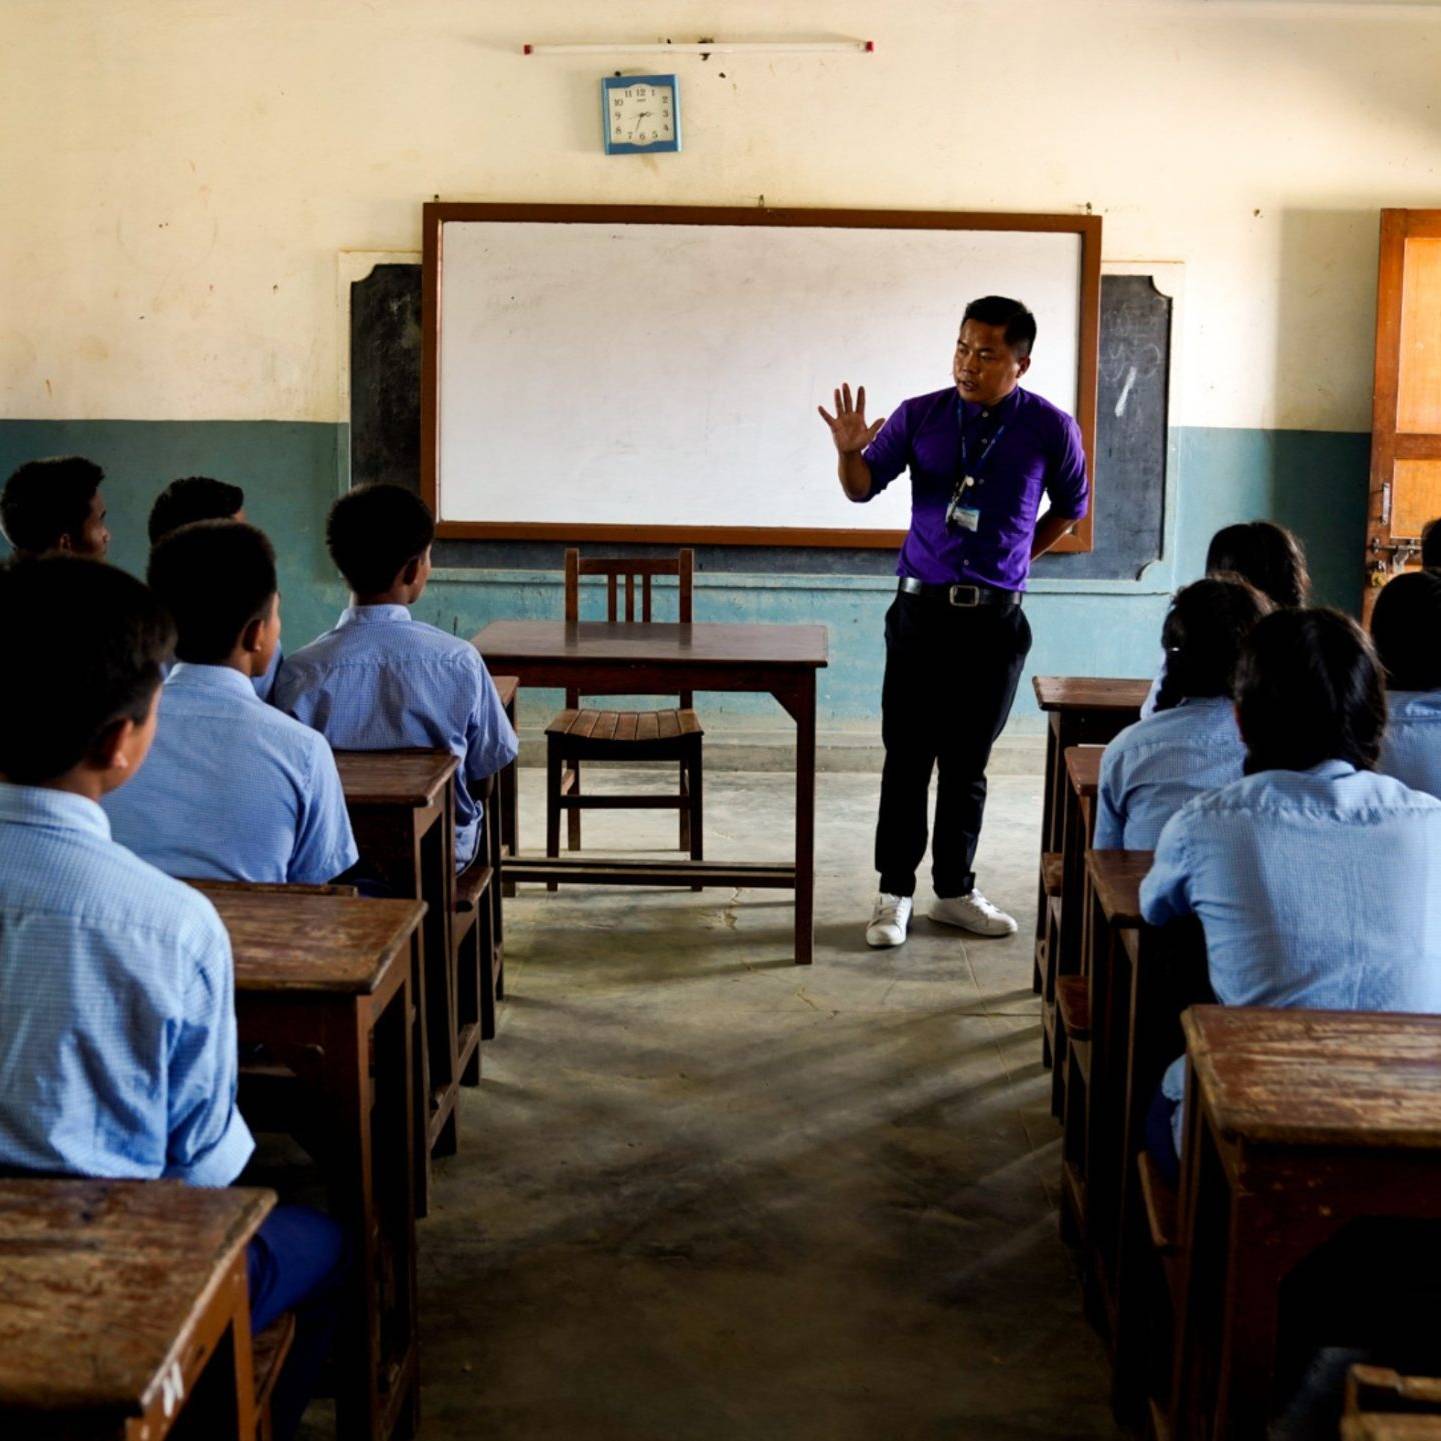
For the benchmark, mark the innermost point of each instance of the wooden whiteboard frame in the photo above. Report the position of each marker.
(438, 213)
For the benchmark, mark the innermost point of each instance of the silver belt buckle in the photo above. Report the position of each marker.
(975, 593)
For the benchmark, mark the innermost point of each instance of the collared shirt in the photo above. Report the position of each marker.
(1154, 767)
(117, 1006)
(233, 789)
(1318, 888)
(382, 681)
(1036, 447)
(1412, 748)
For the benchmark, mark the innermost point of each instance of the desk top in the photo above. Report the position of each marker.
(1090, 692)
(504, 642)
(1083, 765)
(1391, 1426)
(1353, 1079)
(313, 943)
(394, 778)
(102, 1284)
(1117, 877)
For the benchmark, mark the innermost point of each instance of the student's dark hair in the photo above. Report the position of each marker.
(86, 643)
(1202, 636)
(1309, 689)
(1431, 544)
(193, 497)
(214, 577)
(1406, 631)
(374, 532)
(46, 499)
(1267, 555)
(1001, 310)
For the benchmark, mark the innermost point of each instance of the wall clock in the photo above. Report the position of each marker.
(640, 114)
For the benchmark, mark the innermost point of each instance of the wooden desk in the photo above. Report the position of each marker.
(1066, 921)
(603, 658)
(507, 790)
(402, 809)
(325, 983)
(1079, 710)
(123, 1305)
(1297, 1124)
(1141, 979)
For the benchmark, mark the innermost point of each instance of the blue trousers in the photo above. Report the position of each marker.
(1159, 1140)
(297, 1262)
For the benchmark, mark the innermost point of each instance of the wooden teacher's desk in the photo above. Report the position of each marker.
(324, 983)
(123, 1309)
(636, 658)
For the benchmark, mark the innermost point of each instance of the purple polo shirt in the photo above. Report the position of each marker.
(1037, 448)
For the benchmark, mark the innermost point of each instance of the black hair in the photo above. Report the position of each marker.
(47, 499)
(1202, 636)
(1406, 631)
(374, 531)
(1267, 555)
(89, 642)
(1431, 544)
(1000, 310)
(194, 497)
(214, 577)
(1309, 689)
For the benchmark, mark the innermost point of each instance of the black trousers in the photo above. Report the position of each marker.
(951, 676)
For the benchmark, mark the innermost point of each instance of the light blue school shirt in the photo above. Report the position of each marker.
(1412, 748)
(1317, 889)
(1151, 769)
(382, 681)
(232, 789)
(117, 1006)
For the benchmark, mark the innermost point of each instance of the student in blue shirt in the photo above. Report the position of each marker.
(381, 680)
(55, 504)
(117, 990)
(1191, 743)
(200, 497)
(1267, 556)
(1406, 630)
(234, 789)
(1315, 879)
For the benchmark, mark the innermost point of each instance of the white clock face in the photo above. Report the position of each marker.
(641, 115)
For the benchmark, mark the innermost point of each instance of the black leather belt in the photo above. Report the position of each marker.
(964, 597)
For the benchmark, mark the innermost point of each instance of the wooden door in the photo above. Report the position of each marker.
(1406, 409)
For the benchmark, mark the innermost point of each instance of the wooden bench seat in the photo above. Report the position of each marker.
(1074, 1003)
(268, 1350)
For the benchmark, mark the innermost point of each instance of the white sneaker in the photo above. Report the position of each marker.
(973, 913)
(890, 920)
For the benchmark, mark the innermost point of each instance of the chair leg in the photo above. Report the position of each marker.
(572, 817)
(552, 804)
(693, 811)
(684, 811)
(485, 947)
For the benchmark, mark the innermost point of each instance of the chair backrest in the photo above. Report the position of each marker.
(618, 568)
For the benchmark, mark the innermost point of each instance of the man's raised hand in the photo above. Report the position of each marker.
(848, 425)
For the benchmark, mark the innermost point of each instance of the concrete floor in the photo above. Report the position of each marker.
(703, 1193)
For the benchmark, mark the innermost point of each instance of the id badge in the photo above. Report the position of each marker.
(967, 517)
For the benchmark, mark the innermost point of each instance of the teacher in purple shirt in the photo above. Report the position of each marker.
(980, 453)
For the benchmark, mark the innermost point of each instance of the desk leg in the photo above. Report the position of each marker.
(510, 802)
(805, 717)
(1048, 800)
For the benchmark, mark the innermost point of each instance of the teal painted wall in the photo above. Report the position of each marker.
(1313, 481)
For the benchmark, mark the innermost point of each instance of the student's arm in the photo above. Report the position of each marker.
(324, 843)
(209, 1142)
(1166, 890)
(1110, 818)
(490, 740)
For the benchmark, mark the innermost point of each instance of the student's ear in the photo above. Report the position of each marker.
(66, 544)
(1023, 365)
(252, 638)
(120, 749)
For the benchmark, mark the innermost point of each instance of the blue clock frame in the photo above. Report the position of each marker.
(610, 83)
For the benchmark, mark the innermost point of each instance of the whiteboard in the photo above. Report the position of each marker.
(619, 378)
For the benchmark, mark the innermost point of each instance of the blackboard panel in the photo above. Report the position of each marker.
(1130, 440)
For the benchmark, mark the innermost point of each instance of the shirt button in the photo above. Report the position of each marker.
(985, 415)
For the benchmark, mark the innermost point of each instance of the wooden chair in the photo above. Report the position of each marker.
(629, 737)
(475, 941)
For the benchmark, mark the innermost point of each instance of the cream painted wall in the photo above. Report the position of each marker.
(176, 176)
